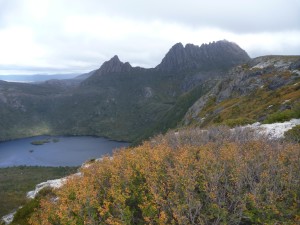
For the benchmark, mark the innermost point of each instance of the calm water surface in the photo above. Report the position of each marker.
(68, 151)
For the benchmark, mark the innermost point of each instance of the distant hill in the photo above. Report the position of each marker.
(37, 77)
(84, 76)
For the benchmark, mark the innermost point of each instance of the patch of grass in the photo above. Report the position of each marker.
(15, 182)
(238, 122)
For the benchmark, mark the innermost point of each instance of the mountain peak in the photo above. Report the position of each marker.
(216, 55)
(178, 45)
(115, 59)
(114, 65)
(175, 57)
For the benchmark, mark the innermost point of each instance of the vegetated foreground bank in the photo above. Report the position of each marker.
(16, 181)
(190, 177)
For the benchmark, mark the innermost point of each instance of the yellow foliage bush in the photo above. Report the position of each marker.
(170, 180)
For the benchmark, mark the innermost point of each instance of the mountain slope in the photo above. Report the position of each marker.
(25, 108)
(266, 89)
(36, 77)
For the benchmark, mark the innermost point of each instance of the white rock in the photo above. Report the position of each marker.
(8, 218)
(50, 183)
(274, 130)
(262, 65)
(57, 183)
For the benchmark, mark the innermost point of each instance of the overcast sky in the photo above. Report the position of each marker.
(61, 36)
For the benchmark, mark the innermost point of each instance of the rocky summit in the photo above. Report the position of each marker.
(114, 65)
(218, 55)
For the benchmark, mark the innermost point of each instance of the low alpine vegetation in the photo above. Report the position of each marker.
(188, 177)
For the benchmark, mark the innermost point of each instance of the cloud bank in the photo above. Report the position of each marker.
(78, 36)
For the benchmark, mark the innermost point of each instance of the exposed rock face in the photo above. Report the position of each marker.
(57, 183)
(218, 55)
(274, 130)
(175, 58)
(7, 219)
(114, 65)
(266, 73)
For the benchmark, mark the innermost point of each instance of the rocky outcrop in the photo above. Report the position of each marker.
(268, 73)
(7, 219)
(220, 55)
(274, 130)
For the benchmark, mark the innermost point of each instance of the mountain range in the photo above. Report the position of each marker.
(193, 85)
(37, 77)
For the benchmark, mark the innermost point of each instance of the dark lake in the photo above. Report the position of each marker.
(59, 151)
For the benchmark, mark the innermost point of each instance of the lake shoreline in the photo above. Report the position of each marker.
(64, 135)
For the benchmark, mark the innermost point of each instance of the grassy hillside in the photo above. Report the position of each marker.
(263, 105)
(269, 94)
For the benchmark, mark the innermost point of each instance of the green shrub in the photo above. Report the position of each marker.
(293, 134)
(280, 116)
(22, 215)
(284, 115)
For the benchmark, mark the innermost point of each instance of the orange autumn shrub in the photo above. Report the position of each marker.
(170, 180)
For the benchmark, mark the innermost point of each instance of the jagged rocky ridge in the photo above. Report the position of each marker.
(217, 55)
(117, 100)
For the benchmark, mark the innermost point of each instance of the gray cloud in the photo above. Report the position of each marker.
(76, 35)
(12, 12)
(234, 15)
